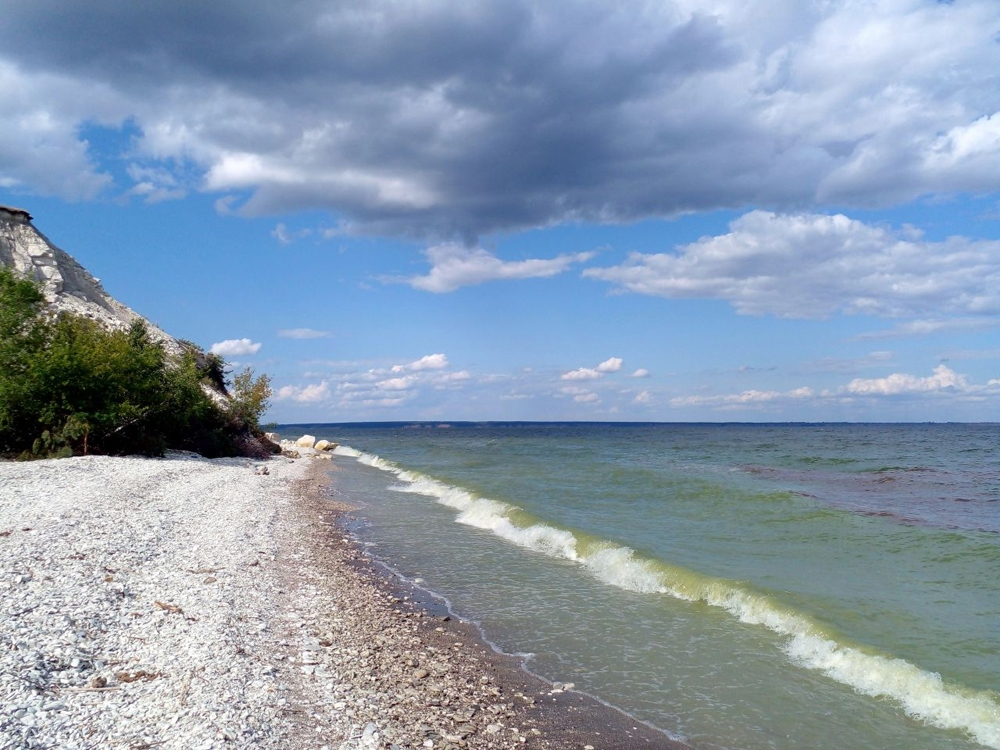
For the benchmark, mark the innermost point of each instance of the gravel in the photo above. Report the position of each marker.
(196, 604)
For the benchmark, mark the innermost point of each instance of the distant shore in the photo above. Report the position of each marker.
(186, 603)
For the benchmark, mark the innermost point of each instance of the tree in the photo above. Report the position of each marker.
(69, 386)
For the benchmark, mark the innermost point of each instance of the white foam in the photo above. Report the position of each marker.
(617, 566)
(922, 695)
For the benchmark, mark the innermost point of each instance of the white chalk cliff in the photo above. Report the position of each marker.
(66, 284)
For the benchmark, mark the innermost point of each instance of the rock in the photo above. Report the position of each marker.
(289, 453)
(420, 674)
(324, 445)
(273, 437)
(306, 441)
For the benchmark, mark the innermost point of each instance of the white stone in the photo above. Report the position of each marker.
(306, 441)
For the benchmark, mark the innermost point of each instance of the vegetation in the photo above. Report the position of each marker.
(68, 386)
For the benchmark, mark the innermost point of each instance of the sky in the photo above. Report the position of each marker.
(726, 210)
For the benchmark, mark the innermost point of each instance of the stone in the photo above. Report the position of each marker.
(324, 445)
(306, 441)
(289, 453)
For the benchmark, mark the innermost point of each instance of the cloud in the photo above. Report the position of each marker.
(309, 394)
(155, 184)
(302, 333)
(397, 384)
(614, 364)
(235, 348)
(644, 397)
(812, 266)
(584, 373)
(642, 372)
(427, 362)
(928, 327)
(286, 237)
(454, 266)
(943, 379)
(457, 120)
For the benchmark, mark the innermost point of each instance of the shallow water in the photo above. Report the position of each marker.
(740, 586)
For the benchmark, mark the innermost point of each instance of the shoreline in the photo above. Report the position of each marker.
(547, 716)
(188, 603)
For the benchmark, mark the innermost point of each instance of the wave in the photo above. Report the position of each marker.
(921, 694)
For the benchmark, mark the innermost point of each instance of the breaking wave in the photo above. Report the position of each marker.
(921, 694)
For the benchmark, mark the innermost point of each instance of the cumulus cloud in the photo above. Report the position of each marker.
(309, 394)
(452, 119)
(612, 364)
(427, 362)
(235, 348)
(454, 266)
(302, 333)
(643, 397)
(642, 372)
(943, 379)
(812, 266)
(584, 373)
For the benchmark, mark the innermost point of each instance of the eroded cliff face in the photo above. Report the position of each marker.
(66, 284)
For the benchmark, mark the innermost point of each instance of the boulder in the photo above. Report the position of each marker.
(273, 437)
(324, 445)
(306, 441)
(290, 454)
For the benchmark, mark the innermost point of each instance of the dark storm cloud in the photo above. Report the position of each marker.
(454, 119)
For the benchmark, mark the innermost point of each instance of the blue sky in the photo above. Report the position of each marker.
(531, 210)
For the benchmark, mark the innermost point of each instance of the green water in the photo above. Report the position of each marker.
(739, 586)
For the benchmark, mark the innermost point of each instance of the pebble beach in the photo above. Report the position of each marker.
(188, 603)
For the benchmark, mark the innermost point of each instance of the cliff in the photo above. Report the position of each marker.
(66, 284)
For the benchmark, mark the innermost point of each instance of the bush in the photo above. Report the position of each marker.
(68, 386)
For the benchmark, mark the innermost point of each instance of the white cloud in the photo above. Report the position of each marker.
(454, 266)
(302, 333)
(309, 394)
(235, 348)
(285, 236)
(614, 364)
(642, 372)
(427, 362)
(586, 398)
(812, 266)
(584, 373)
(155, 184)
(643, 397)
(929, 327)
(744, 398)
(943, 379)
(397, 384)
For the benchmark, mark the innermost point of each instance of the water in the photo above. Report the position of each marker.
(739, 586)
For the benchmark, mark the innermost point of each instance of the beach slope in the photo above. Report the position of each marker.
(187, 603)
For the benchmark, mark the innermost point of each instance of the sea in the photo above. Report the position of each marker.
(738, 586)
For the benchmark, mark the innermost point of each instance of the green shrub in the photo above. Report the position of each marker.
(68, 386)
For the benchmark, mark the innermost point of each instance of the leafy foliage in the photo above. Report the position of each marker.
(68, 386)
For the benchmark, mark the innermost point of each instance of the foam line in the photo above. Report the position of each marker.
(922, 695)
